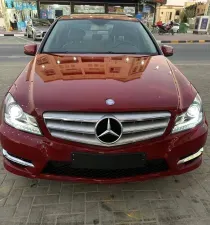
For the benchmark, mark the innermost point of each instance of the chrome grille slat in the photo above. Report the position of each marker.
(92, 140)
(95, 117)
(139, 127)
(71, 127)
(80, 127)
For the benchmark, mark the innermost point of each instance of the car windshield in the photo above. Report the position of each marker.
(99, 36)
(41, 23)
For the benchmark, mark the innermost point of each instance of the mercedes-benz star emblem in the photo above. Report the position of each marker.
(108, 130)
(110, 102)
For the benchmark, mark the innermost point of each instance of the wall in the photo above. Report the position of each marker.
(1, 16)
(167, 13)
(201, 9)
(5, 21)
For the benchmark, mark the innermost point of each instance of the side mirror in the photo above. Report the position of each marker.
(30, 49)
(167, 50)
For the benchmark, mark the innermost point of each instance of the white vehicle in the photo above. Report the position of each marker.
(176, 27)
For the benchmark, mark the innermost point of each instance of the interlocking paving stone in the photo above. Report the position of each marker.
(66, 194)
(78, 203)
(35, 191)
(92, 213)
(46, 200)
(58, 209)
(35, 215)
(24, 206)
(74, 219)
(49, 219)
(14, 197)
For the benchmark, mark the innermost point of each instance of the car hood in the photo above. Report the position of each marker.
(83, 83)
(41, 28)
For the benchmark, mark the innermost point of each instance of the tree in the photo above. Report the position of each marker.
(184, 18)
(191, 11)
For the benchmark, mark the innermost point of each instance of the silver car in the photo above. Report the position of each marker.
(37, 28)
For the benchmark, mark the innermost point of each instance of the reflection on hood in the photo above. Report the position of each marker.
(63, 67)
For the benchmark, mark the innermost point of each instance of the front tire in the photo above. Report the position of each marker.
(34, 37)
(28, 35)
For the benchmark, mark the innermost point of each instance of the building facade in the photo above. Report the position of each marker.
(20, 11)
(200, 9)
(1, 17)
(168, 13)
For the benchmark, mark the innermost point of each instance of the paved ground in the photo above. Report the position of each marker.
(178, 200)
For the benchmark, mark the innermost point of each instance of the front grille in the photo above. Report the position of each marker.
(80, 127)
(65, 169)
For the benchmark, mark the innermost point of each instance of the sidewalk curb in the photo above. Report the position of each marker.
(184, 42)
(12, 35)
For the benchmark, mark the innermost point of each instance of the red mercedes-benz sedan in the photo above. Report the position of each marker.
(100, 102)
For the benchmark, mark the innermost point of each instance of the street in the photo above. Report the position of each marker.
(177, 200)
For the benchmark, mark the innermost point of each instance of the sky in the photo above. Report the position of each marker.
(181, 2)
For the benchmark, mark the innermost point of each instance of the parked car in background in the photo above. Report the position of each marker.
(100, 102)
(37, 28)
(176, 27)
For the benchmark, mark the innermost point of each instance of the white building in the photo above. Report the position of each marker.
(1, 16)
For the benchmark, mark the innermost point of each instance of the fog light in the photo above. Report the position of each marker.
(191, 157)
(15, 159)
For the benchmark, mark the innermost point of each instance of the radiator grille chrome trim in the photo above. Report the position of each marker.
(80, 127)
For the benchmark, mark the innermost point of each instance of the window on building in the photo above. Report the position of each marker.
(170, 17)
(177, 12)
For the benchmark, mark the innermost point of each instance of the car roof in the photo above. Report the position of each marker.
(99, 16)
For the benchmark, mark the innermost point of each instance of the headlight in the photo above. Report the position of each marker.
(191, 118)
(15, 117)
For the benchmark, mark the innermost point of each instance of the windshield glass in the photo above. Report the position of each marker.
(41, 22)
(99, 36)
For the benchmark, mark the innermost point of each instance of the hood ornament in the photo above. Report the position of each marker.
(110, 102)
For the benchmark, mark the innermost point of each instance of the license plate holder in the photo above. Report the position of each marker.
(108, 161)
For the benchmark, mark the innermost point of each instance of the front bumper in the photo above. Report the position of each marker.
(40, 36)
(47, 159)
